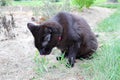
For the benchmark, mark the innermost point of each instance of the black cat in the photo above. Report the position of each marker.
(68, 32)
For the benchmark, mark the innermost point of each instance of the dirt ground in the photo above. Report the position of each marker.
(16, 56)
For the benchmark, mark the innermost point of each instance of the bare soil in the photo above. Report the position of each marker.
(16, 55)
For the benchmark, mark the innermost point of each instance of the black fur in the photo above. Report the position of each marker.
(77, 39)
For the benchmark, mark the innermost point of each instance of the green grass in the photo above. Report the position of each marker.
(41, 64)
(109, 5)
(32, 3)
(102, 1)
(106, 64)
(99, 1)
(110, 24)
(27, 3)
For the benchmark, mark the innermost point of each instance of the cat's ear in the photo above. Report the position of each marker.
(31, 26)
